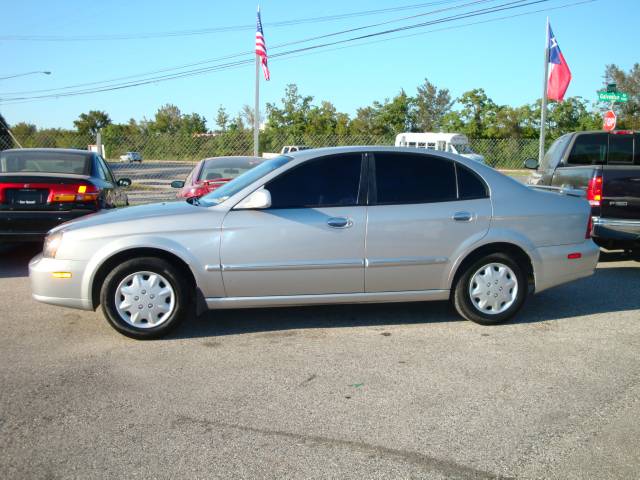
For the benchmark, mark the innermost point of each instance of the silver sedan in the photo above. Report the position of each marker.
(325, 226)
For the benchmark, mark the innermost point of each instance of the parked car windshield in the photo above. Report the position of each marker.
(221, 194)
(227, 167)
(45, 162)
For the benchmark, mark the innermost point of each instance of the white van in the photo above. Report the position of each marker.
(444, 142)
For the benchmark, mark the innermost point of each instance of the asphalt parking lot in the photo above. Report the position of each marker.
(374, 391)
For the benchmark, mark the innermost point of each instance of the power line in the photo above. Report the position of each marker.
(306, 50)
(229, 28)
(244, 53)
(506, 6)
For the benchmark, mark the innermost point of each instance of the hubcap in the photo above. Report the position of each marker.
(493, 288)
(145, 299)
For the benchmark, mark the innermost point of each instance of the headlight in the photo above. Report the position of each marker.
(51, 244)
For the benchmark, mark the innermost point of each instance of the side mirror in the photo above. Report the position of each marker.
(257, 200)
(124, 182)
(177, 184)
(531, 163)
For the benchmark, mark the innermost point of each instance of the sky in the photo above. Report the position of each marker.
(504, 57)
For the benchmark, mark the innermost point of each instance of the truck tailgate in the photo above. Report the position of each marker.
(621, 192)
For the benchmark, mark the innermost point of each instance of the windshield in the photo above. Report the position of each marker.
(462, 148)
(219, 195)
(45, 162)
(554, 154)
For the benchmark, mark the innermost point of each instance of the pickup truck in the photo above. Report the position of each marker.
(607, 167)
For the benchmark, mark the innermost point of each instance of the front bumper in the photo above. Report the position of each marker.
(555, 267)
(66, 292)
(614, 232)
(23, 226)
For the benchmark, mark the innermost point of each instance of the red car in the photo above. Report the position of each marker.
(212, 173)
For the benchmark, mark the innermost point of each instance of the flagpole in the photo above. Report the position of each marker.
(543, 109)
(256, 106)
(256, 110)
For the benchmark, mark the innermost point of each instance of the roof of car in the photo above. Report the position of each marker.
(71, 151)
(314, 152)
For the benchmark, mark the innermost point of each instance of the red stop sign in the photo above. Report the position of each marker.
(609, 121)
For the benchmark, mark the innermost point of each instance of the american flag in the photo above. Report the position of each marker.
(261, 49)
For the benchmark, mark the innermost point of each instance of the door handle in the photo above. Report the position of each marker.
(339, 222)
(462, 216)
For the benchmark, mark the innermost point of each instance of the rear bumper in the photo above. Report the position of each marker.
(613, 232)
(555, 267)
(66, 292)
(34, 225)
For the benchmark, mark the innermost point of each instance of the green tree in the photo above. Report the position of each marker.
(478, 111)
(24, 132)
(629, 83)
(322, 120)
(222, 118)
(90, 123)
(431, 105)
(292, 117)
(193, 123)
(168, 119)
(395, 116)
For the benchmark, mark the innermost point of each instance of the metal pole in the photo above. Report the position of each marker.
(543, 109)
(256, 110)
(99, 142)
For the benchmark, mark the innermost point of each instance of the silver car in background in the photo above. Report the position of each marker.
(324, 226)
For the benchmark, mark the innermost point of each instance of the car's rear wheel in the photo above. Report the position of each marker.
(491, 290)
(145, 298)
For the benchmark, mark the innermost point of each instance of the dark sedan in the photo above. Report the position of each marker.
(44, 187)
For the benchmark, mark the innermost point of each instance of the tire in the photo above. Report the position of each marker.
(151, 281)
(504, 298)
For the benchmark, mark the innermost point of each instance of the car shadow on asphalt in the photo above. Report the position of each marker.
(611, 289)
(14, 258)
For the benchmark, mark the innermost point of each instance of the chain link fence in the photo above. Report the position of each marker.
(169, 157)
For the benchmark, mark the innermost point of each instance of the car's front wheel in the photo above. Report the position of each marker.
(491, 290)
(145, 298)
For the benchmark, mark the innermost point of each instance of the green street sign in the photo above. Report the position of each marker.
(613, 97)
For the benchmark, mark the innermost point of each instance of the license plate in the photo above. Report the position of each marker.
(27, 197)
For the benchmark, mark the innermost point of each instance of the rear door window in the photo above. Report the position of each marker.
(589, 149)
(406, 178)
(620, 149)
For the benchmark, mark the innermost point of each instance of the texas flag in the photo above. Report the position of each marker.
(559, 73)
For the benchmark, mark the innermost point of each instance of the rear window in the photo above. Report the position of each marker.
(470, 186)
(215, 169)
(45, 162)
(589, 149)
(620, 149)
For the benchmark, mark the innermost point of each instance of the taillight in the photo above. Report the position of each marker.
(197, 191)
(87, 193)
(594, 191)
(589, 227)
(84, 193)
